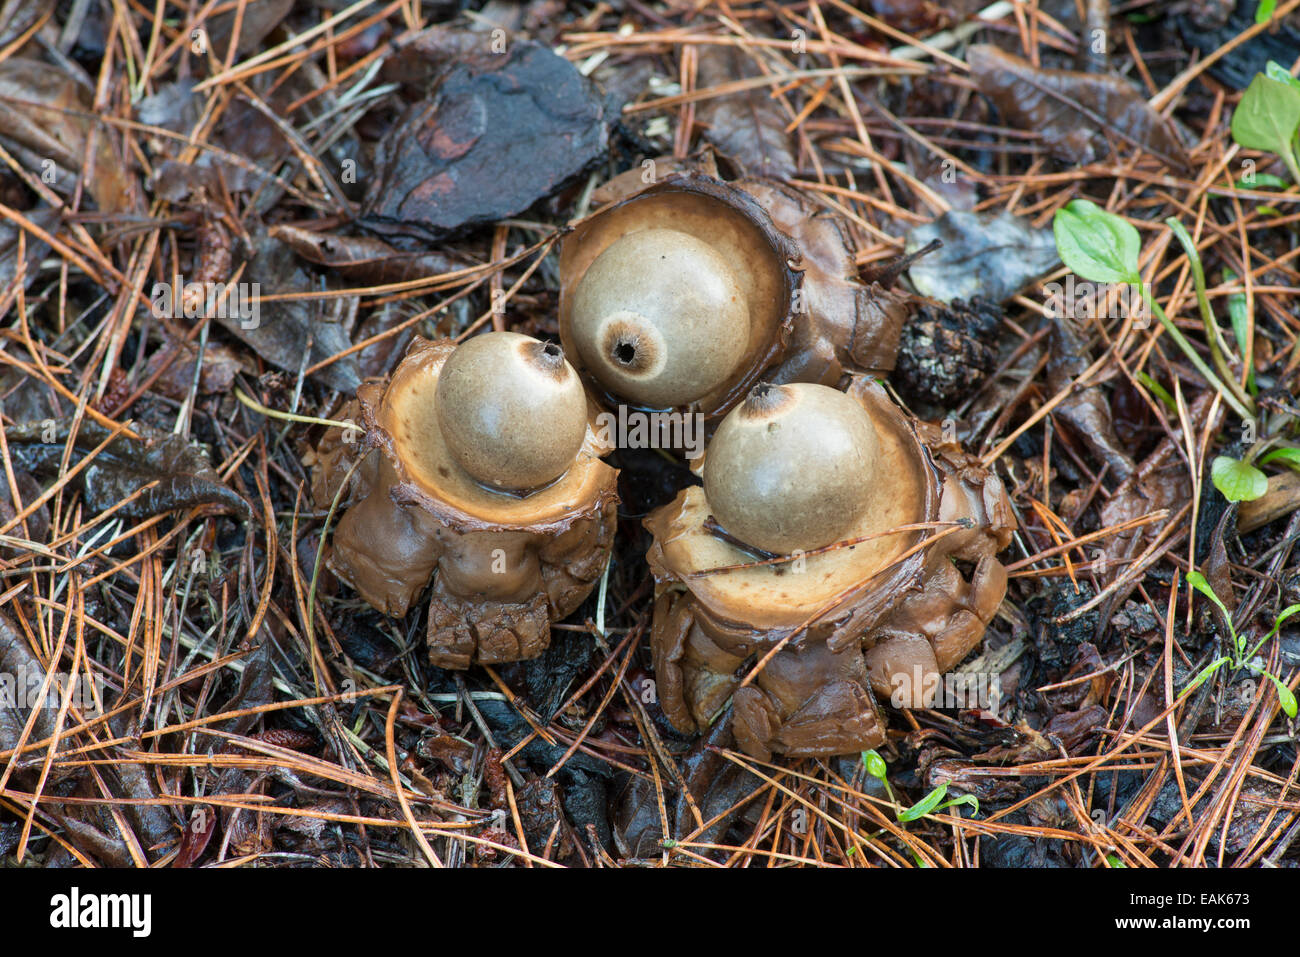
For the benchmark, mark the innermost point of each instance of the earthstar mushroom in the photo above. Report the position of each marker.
(871, 613)
(486, 478)
(686, 292)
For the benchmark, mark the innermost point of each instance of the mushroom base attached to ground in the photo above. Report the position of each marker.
(504, 564)
(805, 645)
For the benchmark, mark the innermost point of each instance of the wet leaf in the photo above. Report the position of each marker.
(497, 134)
(256, 20)
(747, 127)
(35, 249)
(174, 365)
(48, 113)
(181, 470)
(365, 258)
(1159, 483)
(294, 334)
(1237, 480)
(991, 255)
(17, 660)
(920, 17)
(1087, 409)
(17, 17)
(1069, 109)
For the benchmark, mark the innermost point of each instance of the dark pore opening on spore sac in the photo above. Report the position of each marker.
(625, 352)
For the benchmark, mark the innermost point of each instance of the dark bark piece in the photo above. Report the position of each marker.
(1282, 498)
(1211, 24)
(1070, 109)
(541, 811)
(497, 134)
(718, 789)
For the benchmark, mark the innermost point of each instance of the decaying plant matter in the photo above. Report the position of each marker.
(837, 605)
(243, 708)
(686, 292)
(485, 477)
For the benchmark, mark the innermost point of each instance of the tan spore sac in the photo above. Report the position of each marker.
(500, 566)
(811, 319)
(849, 620)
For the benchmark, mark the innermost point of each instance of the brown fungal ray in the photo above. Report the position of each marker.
(842, 325)
(503, 564)
(850, 619)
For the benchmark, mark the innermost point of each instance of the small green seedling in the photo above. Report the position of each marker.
(1103, 247)
(1239, 317)
(875, 765)
(1277, 71)
(1159, 391)
(1240, 657)
(1262, 181)
(1287, 456)
(929, 804)
(1268, 117)
(1238, 481)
